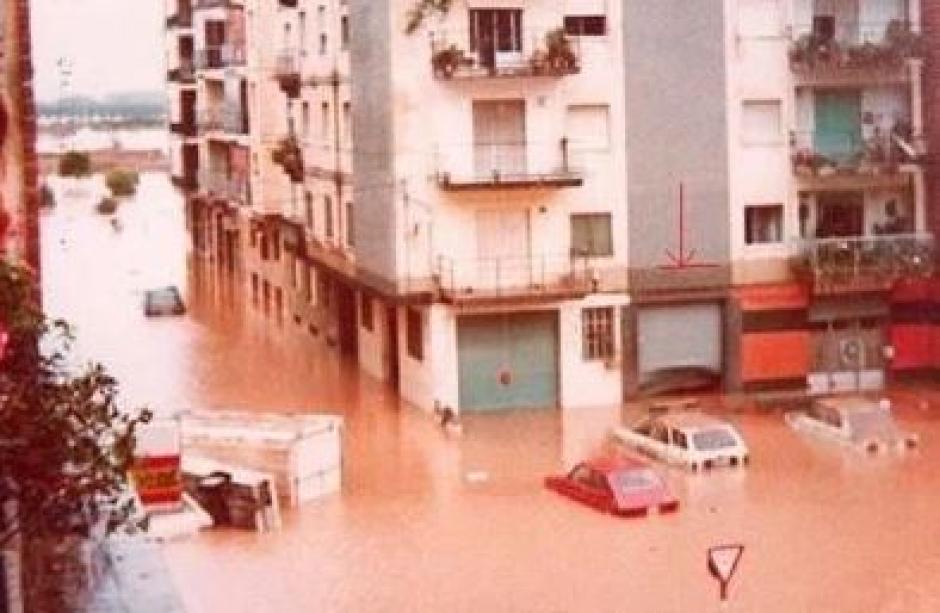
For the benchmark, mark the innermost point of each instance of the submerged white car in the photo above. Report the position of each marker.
(855, 421)
(686, 438)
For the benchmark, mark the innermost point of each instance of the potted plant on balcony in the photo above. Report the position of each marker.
(901, 42)
(446, 60)
(559, 55)
(289, 156)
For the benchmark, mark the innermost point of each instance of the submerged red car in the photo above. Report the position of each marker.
(620, 485)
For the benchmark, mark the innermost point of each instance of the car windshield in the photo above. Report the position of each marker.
(628, 480)
(713, 438)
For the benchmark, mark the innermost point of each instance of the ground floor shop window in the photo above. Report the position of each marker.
(415, 338)
(597, 333)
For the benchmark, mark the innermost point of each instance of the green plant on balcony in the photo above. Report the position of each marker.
(289, 156)
(422, 9)
(559, 56)
(902, 42)
(808, 162)
(445, 61)
(811, 49)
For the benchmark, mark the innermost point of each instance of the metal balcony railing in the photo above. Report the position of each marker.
(481, 166)
(508, 277)
(224, 185)
(221, 56)
(227, 118)
(872, 150)
(504, 53)
(828, 46)
(867, 263)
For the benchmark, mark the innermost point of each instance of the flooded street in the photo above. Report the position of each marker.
(824, 529)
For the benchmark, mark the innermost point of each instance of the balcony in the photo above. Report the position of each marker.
(289, 155)
(183, 18)
(535, 278)
(217, 4)
(185, 73)
(467, 55)
(865, 264)
(287, 72)
(870, 156)
(506, 166)
(224, 186)
(186, 129)
(220, 56)
(225, 119)
(848, 53)
(288, 4)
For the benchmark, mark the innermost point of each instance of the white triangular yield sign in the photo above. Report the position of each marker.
(723, 560)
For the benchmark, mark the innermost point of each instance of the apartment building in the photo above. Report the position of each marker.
(19, 170)
(796, 130)
(489, 173)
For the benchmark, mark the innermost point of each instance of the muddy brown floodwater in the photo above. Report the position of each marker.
(824, 529)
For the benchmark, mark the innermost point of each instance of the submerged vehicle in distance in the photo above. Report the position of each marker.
(854, 421)
(685, 437)
(623, 486)
(163, 301)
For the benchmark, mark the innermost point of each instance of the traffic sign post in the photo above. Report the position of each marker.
(722, 564)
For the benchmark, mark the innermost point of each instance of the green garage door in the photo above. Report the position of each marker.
(508, 361)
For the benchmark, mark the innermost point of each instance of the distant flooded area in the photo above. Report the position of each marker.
(426, 522)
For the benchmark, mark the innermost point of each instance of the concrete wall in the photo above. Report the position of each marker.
(677, 131)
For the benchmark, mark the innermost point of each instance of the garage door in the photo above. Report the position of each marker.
(508, 361)
(682, 336)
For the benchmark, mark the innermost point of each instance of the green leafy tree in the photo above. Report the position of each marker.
(65, 444)
(75, 164)
(122, 182)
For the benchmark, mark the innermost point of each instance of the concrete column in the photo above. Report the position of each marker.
(631, 354)
(732, 345)
(920, 201)
(917, 102)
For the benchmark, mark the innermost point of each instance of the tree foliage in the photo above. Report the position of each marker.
(122, 182)
(424, 8)
(65, 444)
(75, 164)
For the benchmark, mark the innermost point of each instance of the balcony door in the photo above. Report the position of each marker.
(838, 133)
(499, 138)
(503, 259)
(841, 214)
(496, 37)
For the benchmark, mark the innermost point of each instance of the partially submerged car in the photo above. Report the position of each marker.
(855, 421)
(163, 301)
(686, 438)
(619, 485)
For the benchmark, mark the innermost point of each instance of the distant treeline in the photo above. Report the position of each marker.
(137, 107)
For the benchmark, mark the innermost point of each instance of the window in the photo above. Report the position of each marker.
(305, 120)
(586, 25)
(308, 206)
(494, 32)
(323, 291)
(763, 223)
(350, 234)
(365, 311)
(597, 333)
(323, 44)
(328, 216)
(761, 122)
(325, 119)
(347, 120)
(344, 31)
(591, 234)
(413, 335)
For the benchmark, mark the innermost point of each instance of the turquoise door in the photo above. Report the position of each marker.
(838, 134)
(508, 361)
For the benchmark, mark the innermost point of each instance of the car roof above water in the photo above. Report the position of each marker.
(690, 420)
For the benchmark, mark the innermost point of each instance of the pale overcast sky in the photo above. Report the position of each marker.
(113, 45)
